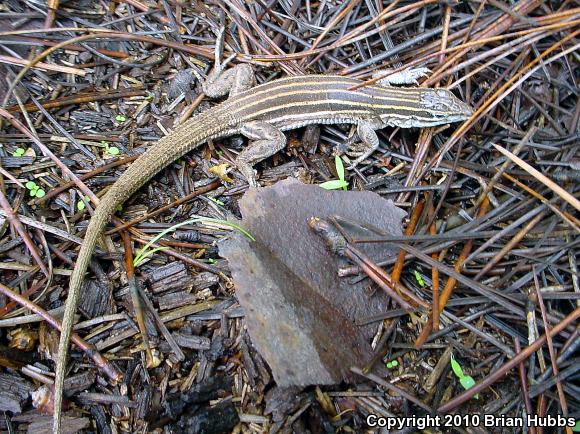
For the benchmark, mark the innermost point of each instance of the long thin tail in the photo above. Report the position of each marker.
(186, 137)
(98, 222)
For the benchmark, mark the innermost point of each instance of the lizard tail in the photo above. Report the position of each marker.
(98, 222)
(186, 137)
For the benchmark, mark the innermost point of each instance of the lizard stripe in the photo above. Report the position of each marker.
(340, 95)
(322, 107)
(323, 84)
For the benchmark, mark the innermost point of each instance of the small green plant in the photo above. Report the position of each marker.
(466, 381)
(419, 279)
(111, 150)
(82, 204)
(35, 190)
(120, 118)
(337, 183)
(146, 251)
(214, 200)
(18, 152)
(392, 364)
(576, 427)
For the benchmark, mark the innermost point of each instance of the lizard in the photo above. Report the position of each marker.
(261, 114)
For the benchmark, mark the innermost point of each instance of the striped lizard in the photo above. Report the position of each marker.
(261, 114)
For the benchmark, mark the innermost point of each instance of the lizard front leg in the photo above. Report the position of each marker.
(366, 128)
(406, 76)
(265, 141)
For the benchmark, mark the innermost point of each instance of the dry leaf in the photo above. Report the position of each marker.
(299, 313)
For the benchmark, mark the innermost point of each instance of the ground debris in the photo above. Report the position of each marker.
(191, 414)
(13, 392)
(217, 419)
(42, 424)
(481, 225)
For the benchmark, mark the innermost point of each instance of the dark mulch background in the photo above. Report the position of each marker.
(514, 62)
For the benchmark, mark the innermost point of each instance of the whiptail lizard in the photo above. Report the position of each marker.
(261, 114)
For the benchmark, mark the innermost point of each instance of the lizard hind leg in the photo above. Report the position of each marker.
(265, 141)
(229, 82)
(221, 82)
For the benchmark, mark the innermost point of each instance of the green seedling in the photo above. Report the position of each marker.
(35, 190)
(147, 251)
(120, 118)
(466, 381)
(419, 279)
(337, 183)
(217, 201)
(82, 204)
(392, 364)
(18, 152)
(111, 150)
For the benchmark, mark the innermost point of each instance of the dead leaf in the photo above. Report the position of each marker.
(221, 172)
(299, 313)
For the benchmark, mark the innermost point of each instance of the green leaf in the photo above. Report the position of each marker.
(334, 185)
(82, 204)
(456, 367)
(576, 427)
(144, 254)
(113, 150)
(209, 221)
(213, 199)
(419, 279)
(18, 152)
(467, 382)
(37, 192)
(31, 185)
(339, 167)
(120, 118)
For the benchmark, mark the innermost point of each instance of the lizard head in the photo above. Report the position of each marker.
(443, 106)
(425, 107)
